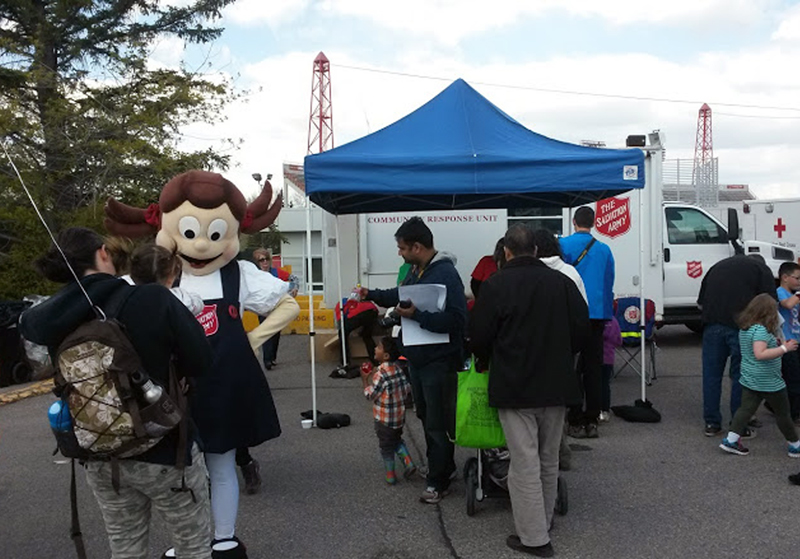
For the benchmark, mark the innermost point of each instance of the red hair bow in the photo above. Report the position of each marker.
(247, 221)
(152, 216)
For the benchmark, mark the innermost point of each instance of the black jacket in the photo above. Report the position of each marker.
(157, 323)
(729, 285)
(452, 319)
(529, 322)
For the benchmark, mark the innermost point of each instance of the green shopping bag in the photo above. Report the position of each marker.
(477, 424)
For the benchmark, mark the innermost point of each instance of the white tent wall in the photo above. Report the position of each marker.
(345, 250)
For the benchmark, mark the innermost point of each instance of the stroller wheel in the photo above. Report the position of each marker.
(562, 501)
(471, 483)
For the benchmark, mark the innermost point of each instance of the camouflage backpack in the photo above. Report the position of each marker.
(98, 376)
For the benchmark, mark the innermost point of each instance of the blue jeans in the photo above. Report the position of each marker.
(720, 342)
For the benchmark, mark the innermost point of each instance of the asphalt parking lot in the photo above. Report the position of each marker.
(641, 490)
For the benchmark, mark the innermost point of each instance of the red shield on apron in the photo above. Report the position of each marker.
(208, 320)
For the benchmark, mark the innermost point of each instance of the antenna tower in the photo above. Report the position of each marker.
(705, 177)
(320, 123)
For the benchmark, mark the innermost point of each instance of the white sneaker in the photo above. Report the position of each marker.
(605, 416)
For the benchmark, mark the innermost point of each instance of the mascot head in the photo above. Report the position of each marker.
(199, 215)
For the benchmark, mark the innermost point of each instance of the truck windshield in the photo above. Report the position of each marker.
(690, 226)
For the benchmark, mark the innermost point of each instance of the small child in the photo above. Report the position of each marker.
(761, 374)
(388, 387)
(612, 338)
(155, 264)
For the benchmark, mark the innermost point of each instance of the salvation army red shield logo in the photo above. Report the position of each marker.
(631, 314)
(694, 268)
(613, 217)
(208, 319)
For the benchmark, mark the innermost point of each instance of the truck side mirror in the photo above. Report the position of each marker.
(733, 225)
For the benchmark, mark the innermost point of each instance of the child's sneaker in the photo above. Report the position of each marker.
(431, 496)
(794, 451)
(733, 448)
(605, 416)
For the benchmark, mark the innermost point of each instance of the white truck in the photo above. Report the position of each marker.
(679, 243)
(774, 221)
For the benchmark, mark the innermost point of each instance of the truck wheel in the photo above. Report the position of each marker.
(695, 326)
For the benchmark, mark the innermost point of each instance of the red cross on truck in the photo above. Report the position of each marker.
(780, 228)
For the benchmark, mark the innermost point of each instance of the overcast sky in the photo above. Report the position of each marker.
(742, 57)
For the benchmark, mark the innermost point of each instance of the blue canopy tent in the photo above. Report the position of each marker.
(460, 151)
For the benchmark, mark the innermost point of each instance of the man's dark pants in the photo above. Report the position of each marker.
(365, 320)
(590, 372)
(270, 349)
(434, 387)
(790, 370)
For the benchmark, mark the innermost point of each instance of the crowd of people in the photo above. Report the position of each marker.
(549, 350)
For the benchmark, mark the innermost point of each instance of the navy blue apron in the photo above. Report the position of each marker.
(232, 407)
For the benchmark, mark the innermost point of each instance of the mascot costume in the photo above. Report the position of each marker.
(200, 215)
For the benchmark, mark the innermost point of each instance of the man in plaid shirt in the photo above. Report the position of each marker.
(388, 387)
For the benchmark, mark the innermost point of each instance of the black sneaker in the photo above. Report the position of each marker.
(576, 431)
(591, 431)
(516, 544)
(712, 430)
(733, 448)
(229, 548)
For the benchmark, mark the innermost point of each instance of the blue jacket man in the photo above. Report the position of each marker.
(432, 367)
(595, 264)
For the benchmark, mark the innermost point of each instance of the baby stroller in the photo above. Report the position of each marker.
(486, 475)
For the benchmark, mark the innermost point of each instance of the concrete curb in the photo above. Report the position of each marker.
(27, 391)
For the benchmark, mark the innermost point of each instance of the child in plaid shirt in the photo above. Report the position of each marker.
(388, 387)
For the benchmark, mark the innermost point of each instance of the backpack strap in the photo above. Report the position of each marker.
(75, 529)
(585, 250)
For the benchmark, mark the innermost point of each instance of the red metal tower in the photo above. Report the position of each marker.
(704, 145)
(320, 123)
(704, 172)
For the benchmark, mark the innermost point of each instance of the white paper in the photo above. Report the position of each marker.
(428, 297)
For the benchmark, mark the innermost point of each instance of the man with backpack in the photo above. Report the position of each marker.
(164, 334)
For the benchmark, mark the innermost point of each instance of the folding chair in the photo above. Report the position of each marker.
(626, 313)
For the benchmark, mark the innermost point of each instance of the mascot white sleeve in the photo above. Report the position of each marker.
(200, 216)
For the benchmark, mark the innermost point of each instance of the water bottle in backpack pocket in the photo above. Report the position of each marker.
(61, 425)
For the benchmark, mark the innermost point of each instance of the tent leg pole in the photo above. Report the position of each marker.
(642, 305)
(311, 333)
(342, 337)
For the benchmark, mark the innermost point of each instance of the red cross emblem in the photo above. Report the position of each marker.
(780, 228)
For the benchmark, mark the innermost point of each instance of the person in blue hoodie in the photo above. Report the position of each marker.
(595, 264)
(432, 367)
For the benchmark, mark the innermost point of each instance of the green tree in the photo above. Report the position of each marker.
(84, 114)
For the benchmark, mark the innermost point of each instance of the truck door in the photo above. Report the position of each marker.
(693, 242)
